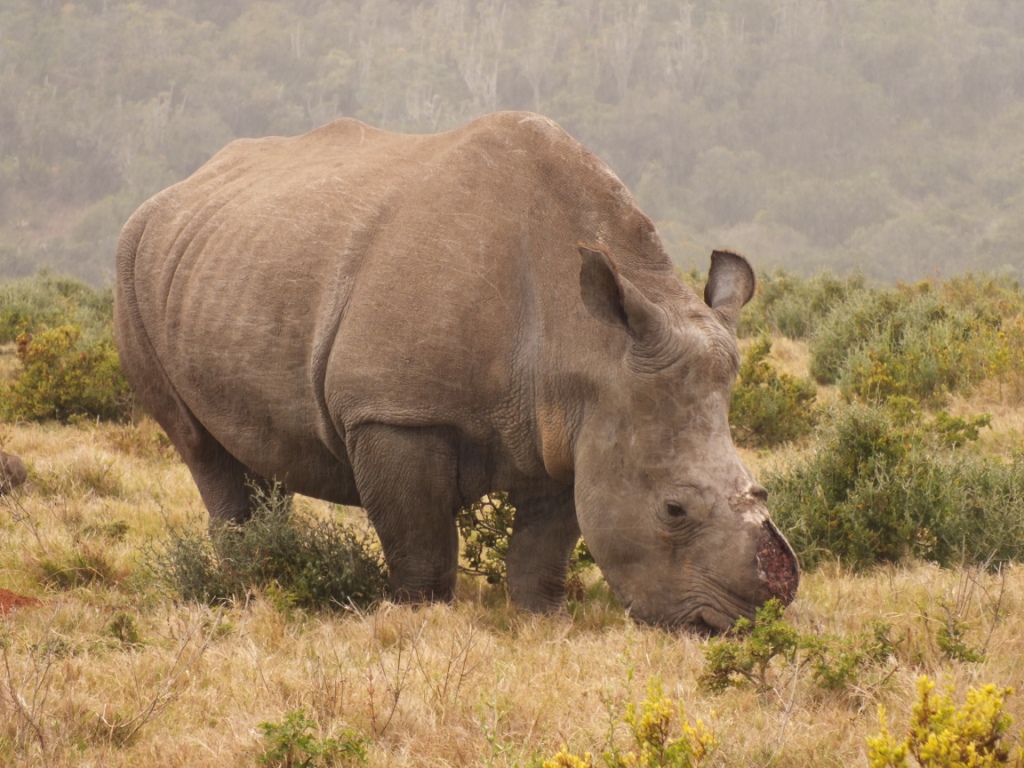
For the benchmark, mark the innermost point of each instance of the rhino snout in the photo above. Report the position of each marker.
(776, 565)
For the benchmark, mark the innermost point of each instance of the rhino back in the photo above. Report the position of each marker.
(293, 288)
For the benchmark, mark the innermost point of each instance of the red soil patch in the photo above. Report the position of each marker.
(9, 601)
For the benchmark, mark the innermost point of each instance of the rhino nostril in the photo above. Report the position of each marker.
(776, 566)
(759, 492)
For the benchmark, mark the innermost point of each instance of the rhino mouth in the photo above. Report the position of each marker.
(710, 623)
(718, 607)
(703, 622)
(709, 618)
(778, 576)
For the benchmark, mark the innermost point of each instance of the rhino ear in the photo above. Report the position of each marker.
(731, 284)
(613, 299)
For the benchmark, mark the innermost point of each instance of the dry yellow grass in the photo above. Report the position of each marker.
(476, 684)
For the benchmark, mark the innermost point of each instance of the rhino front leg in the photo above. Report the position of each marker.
(544, 534)
(406, 478)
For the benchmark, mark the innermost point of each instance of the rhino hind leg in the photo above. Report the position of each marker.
(407, 481)
(229, 489)
(544, 535)
(226, 485)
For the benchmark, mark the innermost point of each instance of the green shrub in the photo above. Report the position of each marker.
(940, 735)
(848, 325)
(1006, 359)
(309, 564)
(831, 504)
(903, 342)
(836, 663)
(65, 375)
(952, 641)
(999, 305)
(30, 304)
(69, 367)
(748, 656)
(924, 341)
(886, 484)
(928, 359)
(485, 528)
(292, 743)
(795, 306)
(769, 407)
(992, 296)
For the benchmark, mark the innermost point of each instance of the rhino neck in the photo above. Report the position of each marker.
(574, 361)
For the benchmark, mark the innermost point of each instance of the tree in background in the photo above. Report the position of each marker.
(808, 134)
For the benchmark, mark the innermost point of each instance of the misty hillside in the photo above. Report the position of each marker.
(879, 136)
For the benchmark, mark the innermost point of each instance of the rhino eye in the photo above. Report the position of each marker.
(675, 510)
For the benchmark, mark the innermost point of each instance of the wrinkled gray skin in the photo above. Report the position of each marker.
(12, 472)
(406, 323)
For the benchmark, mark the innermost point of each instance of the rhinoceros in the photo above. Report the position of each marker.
(408, 322)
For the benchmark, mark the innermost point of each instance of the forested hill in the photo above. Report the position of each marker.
(876, 135)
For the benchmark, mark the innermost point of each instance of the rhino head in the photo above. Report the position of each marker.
(676, 522)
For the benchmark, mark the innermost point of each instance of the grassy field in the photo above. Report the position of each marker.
(111, 670)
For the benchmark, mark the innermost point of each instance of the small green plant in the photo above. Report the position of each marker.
(951, 636)
(769, 407)
(650, 728)
(66, 376)
(292, 743)
(124, 628)
(84, 563)
(940, 735)
(950, 618)
(836, 663)
(651, 743)
(951, 640)
(296, 562)
(747, 656)
(956, 431)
